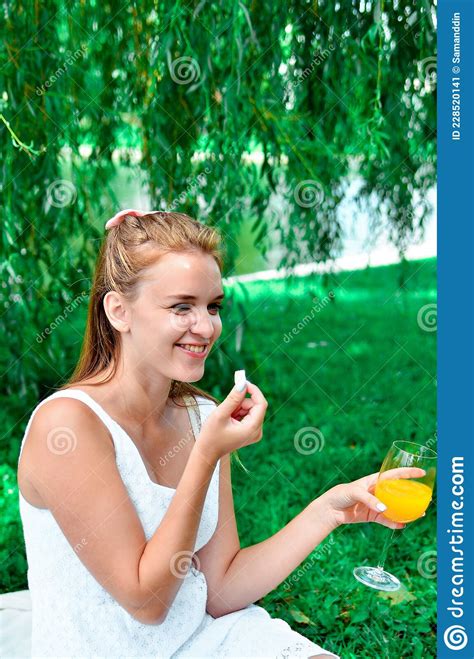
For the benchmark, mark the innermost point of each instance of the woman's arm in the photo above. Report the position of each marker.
(174, 539)
(257, 570)
(167, 555)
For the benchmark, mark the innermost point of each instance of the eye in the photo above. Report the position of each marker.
(180, 307)
(184, 307)
(216, 306)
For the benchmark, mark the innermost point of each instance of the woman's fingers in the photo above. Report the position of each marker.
(255, 416)
(368, 499)
(240, 414)
(403, 472)
(243, 408)
(255, 393)
(370, 481)
(258, 407)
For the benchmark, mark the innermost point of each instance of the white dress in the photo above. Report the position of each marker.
(74, 616)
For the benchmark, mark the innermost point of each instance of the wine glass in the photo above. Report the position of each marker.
(406, 500)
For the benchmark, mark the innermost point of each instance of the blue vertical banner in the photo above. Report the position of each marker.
(455, 75)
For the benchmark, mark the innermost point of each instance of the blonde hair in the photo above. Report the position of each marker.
(129, 248)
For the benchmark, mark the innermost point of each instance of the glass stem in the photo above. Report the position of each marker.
(383, 556)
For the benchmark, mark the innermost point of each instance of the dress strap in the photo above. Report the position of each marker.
(194, 413)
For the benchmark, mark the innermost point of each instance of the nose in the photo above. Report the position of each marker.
(202, 324)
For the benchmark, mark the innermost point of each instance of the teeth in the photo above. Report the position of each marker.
(193, 348)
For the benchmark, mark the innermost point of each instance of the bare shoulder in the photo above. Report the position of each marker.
(53, 434)
(58, 418)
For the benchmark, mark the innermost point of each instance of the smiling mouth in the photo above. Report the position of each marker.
(195, 351)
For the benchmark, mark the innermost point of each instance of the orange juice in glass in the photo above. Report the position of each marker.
(406, 500)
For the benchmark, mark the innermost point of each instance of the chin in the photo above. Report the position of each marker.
(191, 380)
(188, 377)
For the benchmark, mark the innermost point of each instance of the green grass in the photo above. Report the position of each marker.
(362, 371)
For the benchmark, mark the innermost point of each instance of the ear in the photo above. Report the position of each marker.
(117, 311)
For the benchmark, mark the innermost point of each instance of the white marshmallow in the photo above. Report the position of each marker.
(240, 379)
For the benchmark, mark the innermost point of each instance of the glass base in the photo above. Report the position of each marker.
(375, 577)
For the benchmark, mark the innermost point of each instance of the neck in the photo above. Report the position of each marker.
(141, 395)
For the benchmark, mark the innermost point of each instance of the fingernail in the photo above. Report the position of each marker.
(381, 506)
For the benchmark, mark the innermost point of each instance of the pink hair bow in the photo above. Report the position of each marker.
(119, 217)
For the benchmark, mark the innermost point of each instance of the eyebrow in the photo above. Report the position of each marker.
(192, 297)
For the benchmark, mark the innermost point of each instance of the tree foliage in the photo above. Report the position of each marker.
(314, 90)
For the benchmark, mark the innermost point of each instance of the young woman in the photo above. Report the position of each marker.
(127, 509)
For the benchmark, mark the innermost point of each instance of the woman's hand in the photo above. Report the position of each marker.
(236, 422)
(350, 503)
